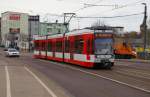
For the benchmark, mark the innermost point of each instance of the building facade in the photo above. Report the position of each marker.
(0, 32)
(34, 23)
(51, 28)
(18, 29)
(14, 28)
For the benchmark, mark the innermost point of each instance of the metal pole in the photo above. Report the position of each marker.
(66, 23)
(145, 28)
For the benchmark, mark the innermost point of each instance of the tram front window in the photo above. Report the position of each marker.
(103, 46)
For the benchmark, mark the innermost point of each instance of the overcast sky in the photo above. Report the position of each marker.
(43, 7)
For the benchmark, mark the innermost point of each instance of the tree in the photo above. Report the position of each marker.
(148, 37)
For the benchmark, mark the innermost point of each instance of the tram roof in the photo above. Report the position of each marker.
(76, 32)
(90, 30)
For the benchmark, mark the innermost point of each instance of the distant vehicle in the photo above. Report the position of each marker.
(87, 47)
(124, 51)
(12, 52)
(5, 49)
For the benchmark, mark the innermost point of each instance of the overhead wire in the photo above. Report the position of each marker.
(115, 16)
(87, 6)
(123, 6)
(117, 7)
(109, 17)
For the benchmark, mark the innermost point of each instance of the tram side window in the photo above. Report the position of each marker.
(43, 46)
(58, 46)
(79, 46)
(36, 46)
(88, 46)
(49, 46)
(66, 45)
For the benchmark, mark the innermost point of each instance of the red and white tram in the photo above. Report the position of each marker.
(86, 47)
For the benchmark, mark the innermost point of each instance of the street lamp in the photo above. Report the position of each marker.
(145, 27)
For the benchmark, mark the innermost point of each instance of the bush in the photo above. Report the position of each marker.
(2, 46)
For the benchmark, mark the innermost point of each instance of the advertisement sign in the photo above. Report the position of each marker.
(14, 17)
(14, 30)
(34, 18)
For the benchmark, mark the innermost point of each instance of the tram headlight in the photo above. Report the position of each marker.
(104, 56)
(108, 56)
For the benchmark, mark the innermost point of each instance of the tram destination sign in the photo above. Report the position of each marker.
(103, 35)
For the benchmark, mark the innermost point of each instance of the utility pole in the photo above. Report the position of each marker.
(66, 23)
(29, 39)
(145, 28)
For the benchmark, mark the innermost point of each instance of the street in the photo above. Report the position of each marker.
(75, 48)
(29, 77)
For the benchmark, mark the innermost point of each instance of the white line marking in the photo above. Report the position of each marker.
(8, 82)
(40, 81)
(94, 74)
(132, 74)
(137, 72)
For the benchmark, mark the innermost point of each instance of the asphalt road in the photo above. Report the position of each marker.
(19, 80)
(126, 79)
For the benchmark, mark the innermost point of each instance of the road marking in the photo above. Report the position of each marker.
(42, 83)
(8, 82)
(94, 74)
(137, 72)
(133, 74)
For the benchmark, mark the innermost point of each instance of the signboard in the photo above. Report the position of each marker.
(14, 17)
(102, 35)
(14, 30)
(34, 18)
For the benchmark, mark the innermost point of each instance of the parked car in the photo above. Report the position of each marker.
(12, 52)
(5, 49)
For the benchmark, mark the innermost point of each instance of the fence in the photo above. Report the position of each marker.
(143, 55)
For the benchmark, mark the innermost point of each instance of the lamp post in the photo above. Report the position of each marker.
(145, 27)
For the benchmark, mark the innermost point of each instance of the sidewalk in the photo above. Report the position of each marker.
(133, 60)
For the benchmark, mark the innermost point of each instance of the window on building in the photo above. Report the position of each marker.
(49, 24)
(59, 31)
(49, 29)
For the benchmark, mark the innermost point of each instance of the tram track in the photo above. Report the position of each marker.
(139, 72)
(135, 73)
(134, 65)
(125, 78)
